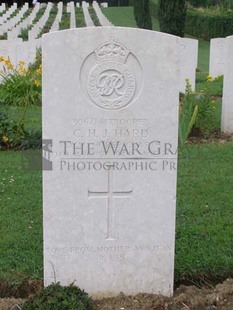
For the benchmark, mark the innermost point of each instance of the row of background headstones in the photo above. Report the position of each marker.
(220, 63)
(8, 23)
(27, 50)
(14, 32)
(12, 26)
(188, 47)
(18, 50)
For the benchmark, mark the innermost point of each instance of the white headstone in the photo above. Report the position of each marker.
(4, 52)
(68, 7)
(8, 50)
(217, 57)
(104, 4)
(188, 62)
(2, 7)
(86, 4)
(110, 112)
(22, 51)
(33, 46)
(72, 15)
(87, 16)
(227, 102)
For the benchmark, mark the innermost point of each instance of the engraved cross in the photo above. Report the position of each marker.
(110, 194)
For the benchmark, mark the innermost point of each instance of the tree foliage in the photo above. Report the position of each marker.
(172, 14)
(208, 3)
(142, 14)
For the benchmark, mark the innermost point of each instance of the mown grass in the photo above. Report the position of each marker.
(124, 17)
(203, 55)
(120, 16)
(65, 21)
(21, 218)
(80, 21)
(204, 209)
(204, 213)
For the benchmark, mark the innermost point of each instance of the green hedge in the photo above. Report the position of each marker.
(202, 3)
(118, 2)
(208, 3)
(204, 25)
(208, 26)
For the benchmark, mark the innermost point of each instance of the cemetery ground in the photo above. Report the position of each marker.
(204, 254)
(203, 236)
(204, 223)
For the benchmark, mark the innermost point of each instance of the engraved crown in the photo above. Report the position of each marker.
(112, 50)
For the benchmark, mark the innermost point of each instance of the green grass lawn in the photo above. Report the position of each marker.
(65, 22)
(203, 55)
(204, 211)
(204, 214)
(80, 22)
(21, 218)
(124, 17)
(120, 16)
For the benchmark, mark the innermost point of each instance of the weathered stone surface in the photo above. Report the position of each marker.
(110, 112)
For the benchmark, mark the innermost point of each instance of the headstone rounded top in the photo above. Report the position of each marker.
(102, 29)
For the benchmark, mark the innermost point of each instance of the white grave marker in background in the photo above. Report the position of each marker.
(217, 57)
(227, 101)
(188, 62)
